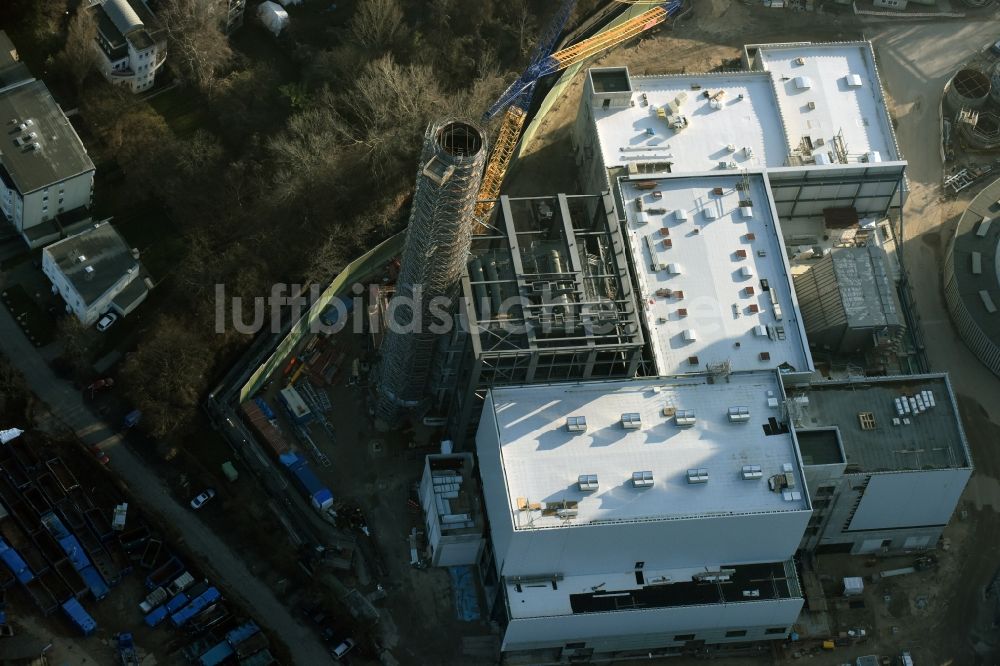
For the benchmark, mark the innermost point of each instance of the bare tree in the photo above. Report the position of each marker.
(198, 49)
(377, 24)
(389, 107)
(166, 374)
(78, 57)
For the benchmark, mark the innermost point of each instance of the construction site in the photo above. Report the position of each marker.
(658, 250)
(79, 560)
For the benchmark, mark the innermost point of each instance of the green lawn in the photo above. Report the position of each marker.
(182, 110)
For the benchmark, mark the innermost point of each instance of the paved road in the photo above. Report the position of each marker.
(215, 556)
(916, 61)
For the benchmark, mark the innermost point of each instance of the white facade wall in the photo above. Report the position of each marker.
(910, 499)
(42, 205)
(138, 69)
(594, 549)
(11, 205)
(654, 628)
(453, 551)
(667, 544)
(494, 485)
(144, 64)
(888, 511)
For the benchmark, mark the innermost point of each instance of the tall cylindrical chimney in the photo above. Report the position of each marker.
(435, 252)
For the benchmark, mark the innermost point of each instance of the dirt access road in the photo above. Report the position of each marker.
(916, 61)
(215, 557)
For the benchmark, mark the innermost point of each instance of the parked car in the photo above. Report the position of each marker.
(342, 648)
(995, 49)
(107, 321)
(100, 455)
(201, 499)
(132, 419)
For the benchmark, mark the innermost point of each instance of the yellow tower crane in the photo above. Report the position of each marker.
(516, 100)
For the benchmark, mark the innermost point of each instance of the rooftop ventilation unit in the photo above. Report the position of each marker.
(791, 495)
(852, 81)
(690, 335)
(751, 472)
(680, 214)
(642, 479)
(699, 475)
(673, 269)
(800, 61)
(739, 414)
(710, 214)
(746, 211)
(746, 272)
(587, 482)
(567, 513)
(685, 418)
(631, 420)
(576, 423)
(803, 82)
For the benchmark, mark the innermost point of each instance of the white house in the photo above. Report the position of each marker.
(637, 517)
(95, 271)
(131, 42)
(44, 167)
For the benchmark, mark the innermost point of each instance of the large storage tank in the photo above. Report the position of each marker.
(969, 88)
(995, 83)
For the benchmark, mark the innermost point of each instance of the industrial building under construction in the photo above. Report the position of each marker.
(675, 381)
(732, 231)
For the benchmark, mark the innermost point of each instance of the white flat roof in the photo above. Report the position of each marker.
(542, 460)
(749, 121)
(718, 265)
(835, 88)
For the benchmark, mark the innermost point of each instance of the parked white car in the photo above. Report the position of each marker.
(201, 499)
(343, 648)
(107, 321)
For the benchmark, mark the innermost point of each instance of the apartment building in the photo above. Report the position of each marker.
(131, 43)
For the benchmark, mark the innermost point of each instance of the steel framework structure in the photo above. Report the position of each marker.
(547, 296)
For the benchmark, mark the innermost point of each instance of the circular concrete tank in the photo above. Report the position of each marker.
(969, 89)
(995, 81)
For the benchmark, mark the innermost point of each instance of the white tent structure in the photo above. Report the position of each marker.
(273, 16)
(10, 435)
